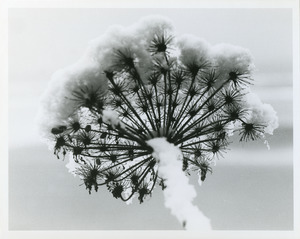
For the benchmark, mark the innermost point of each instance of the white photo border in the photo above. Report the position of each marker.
(5, 5)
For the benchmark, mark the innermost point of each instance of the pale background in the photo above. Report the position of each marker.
(251, 188)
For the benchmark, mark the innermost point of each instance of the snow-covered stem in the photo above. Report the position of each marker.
(179, 194)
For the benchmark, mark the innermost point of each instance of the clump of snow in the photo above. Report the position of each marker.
(149, 26)
(134, 39)
(178, 194)
(193, 50)
(199, 177)
(58, 103)
(261, 113)
(229, 129)
(111, 117)
(72, 166)
(267, 144)
(228, 58)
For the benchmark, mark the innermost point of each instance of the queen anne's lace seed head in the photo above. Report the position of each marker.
(145, 84)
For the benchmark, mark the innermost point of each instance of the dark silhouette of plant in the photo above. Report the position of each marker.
(195, 102)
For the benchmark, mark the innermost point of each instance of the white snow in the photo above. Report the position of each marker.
(228, 58)
(261, 113)
(57, 103)
(135, 38)
(199, 177)
(193, 49)
(72, 165)
(178, 194)
(111, 117)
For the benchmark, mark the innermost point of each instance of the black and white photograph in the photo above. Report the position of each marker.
(157, 119)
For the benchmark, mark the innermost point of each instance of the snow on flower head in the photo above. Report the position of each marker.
(232, 60)
(261, 113)
(68, 89)
(137, 38)
(194, 52)
(150, 26)
(100, 57)
(141, 90)
(229, 57)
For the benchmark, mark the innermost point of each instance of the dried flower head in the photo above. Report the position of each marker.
(151, 88)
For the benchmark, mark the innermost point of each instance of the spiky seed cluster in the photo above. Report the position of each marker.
(185, 103)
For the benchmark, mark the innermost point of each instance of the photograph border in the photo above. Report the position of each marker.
(5, 5)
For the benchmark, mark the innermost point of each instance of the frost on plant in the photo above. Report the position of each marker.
(179, 194)
(143, 84)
